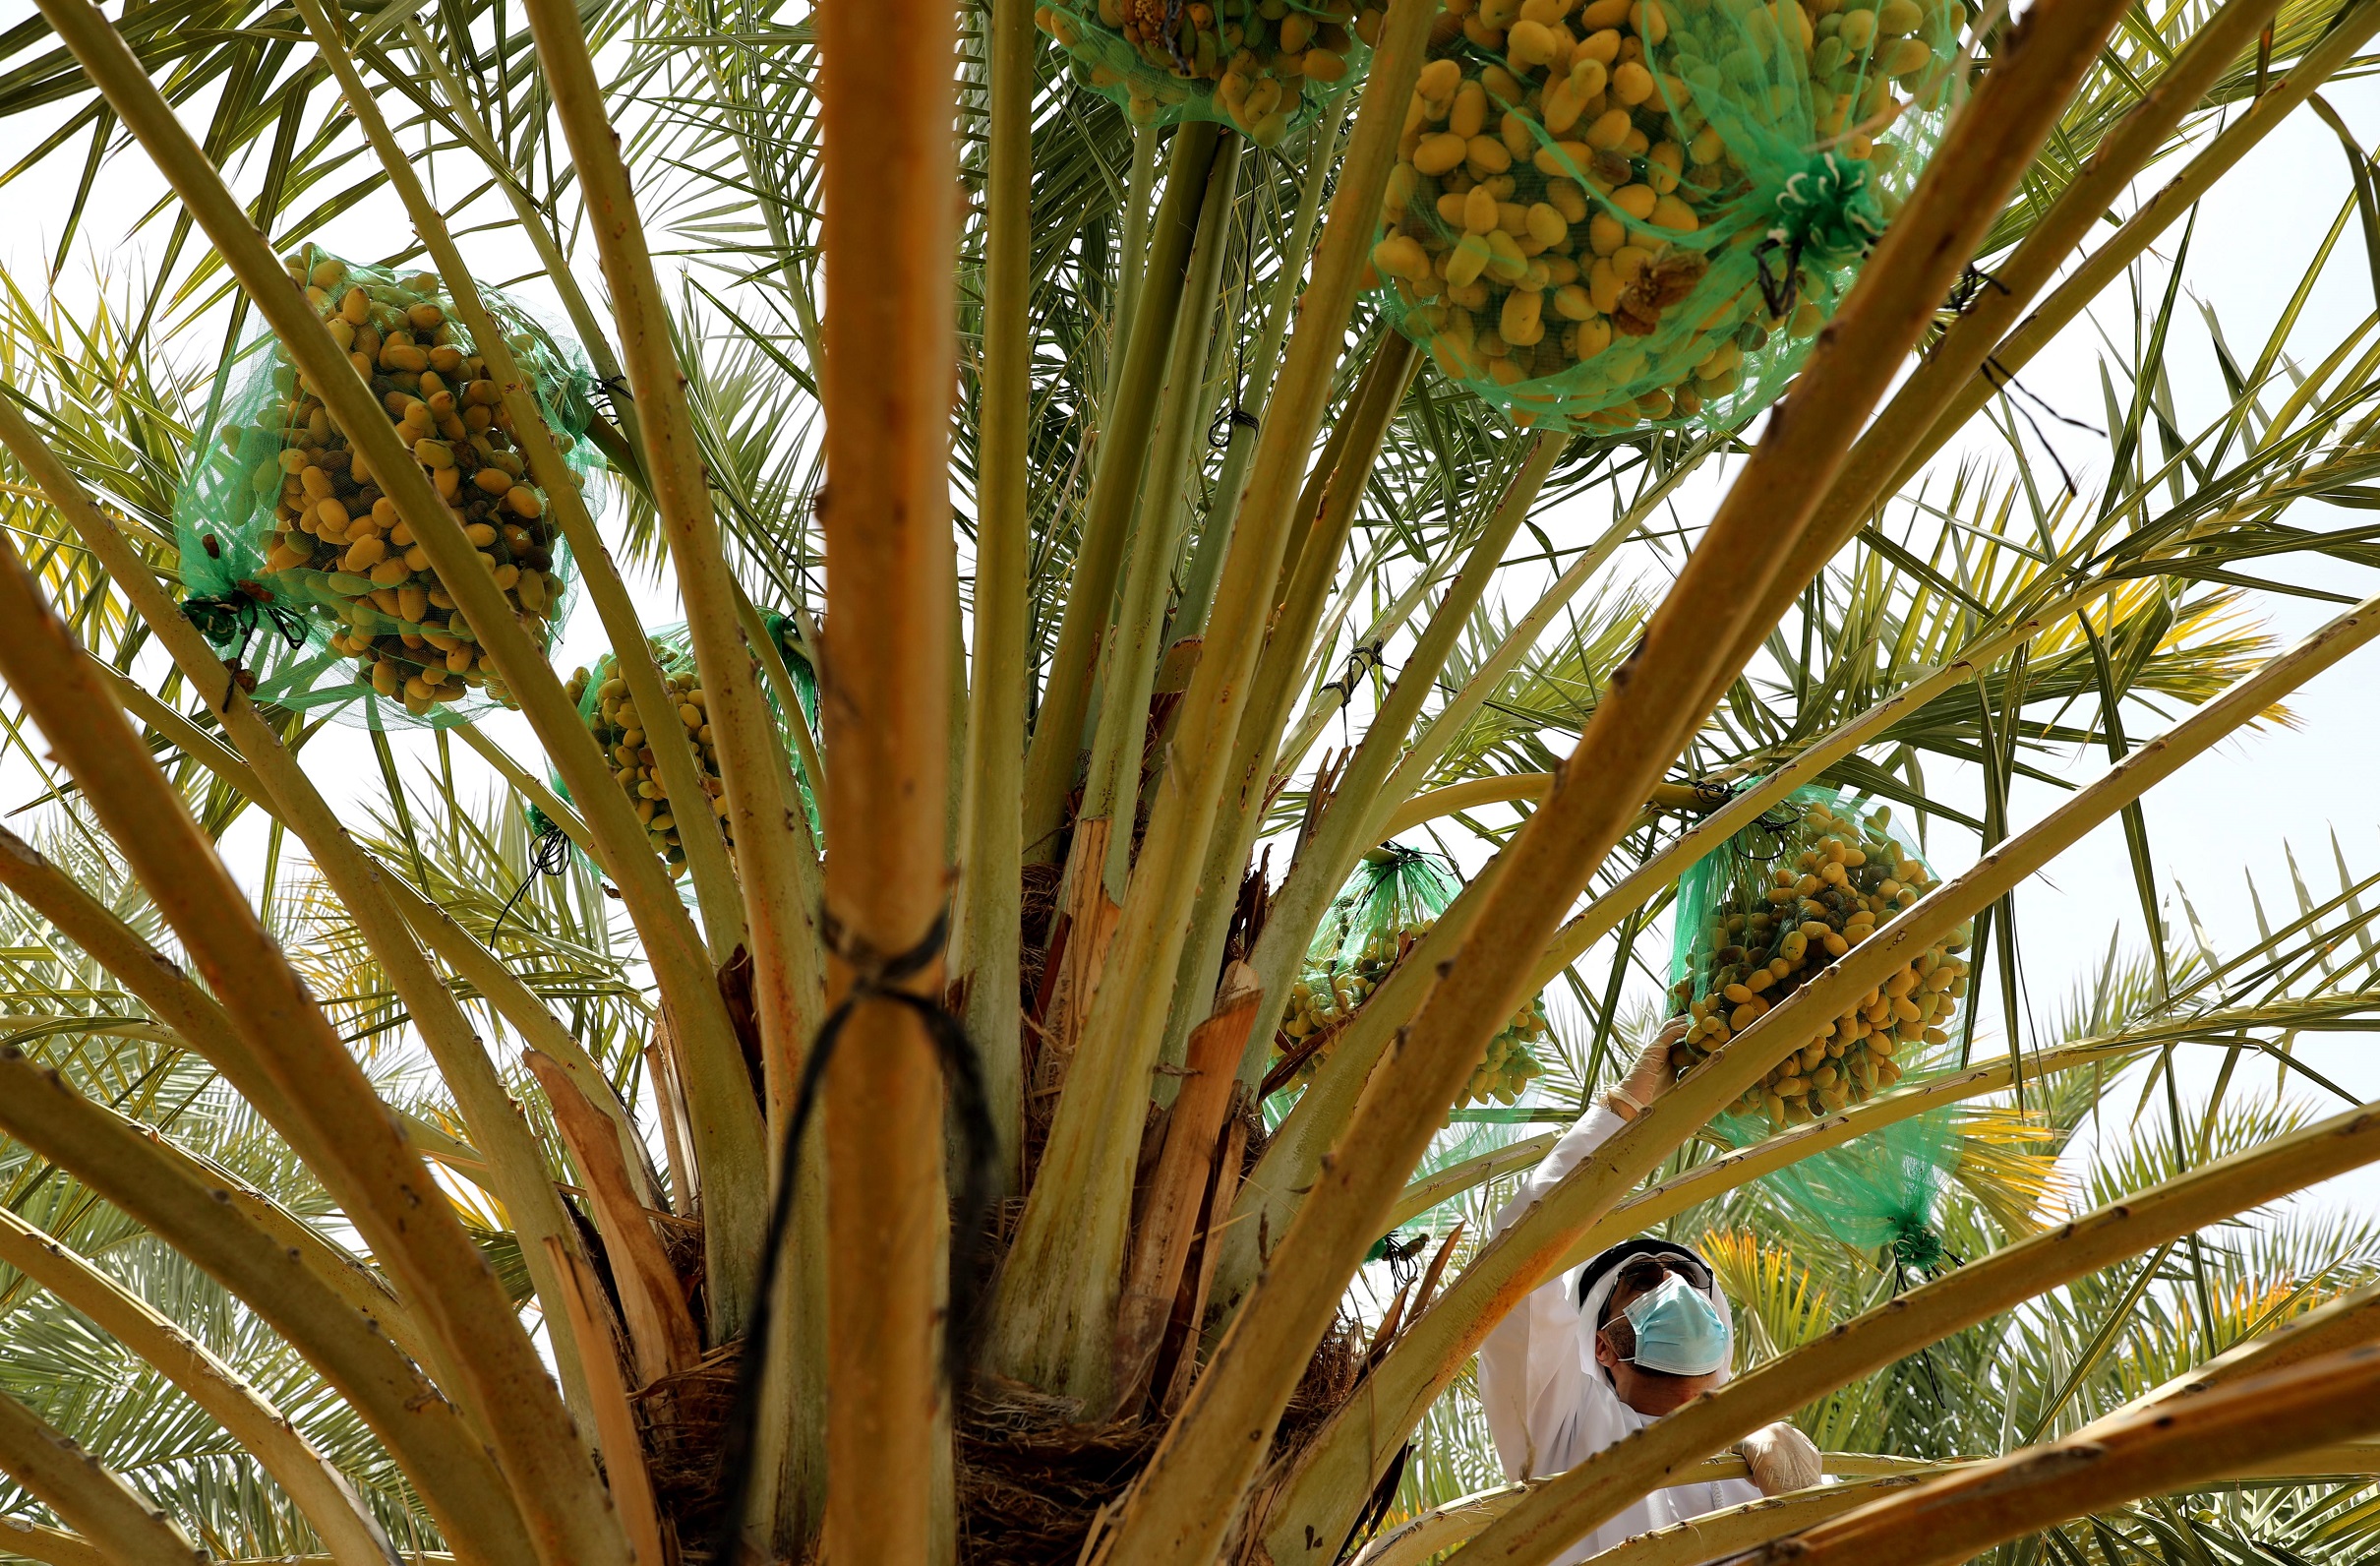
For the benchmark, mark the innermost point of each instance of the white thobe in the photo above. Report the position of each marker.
(1549, 1405)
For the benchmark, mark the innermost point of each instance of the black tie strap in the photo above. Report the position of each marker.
(874, 977)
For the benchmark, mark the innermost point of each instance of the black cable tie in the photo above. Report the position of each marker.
(1778, 824)
(1226, 423)
(547, 856)
(241, 613)
(1366, 656)
(874, 977)
(1972, 280)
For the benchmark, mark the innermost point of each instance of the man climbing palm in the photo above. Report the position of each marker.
(1594, 1356)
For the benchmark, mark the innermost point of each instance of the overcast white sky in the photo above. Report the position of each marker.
(2226, 816)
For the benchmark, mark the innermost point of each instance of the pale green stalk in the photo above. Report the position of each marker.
(986, 944)
(1350, 823)
(1053, 1318)
(1112, 785)
(1123, 441)
(631, 653)
(1206, 562)
(1412, 774)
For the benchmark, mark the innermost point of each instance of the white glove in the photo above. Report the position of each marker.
(1651, 1075)
(1781, 1458)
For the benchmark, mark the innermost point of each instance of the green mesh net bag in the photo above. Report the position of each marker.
(1390, 902)
(1878, 1194)
(624, 733)
(1818, 875)
(1261, 66)
(786, 632)
(1641, 211)
(296, 565)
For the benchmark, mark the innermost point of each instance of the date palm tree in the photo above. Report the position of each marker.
(908, 1159)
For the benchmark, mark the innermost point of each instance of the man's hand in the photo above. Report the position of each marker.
(1651, 1075)
(1781, 1458)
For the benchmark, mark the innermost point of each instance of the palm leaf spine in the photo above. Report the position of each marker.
(532, 788)
(88, 1495)
(1534, 1246)
(1703, 1091)
(1351, 821)
(516, 1170)
(1112, 782)
(1129, 413)
(1335, 487)
(632, 654)
(1970, 355)
(985, 941)
(2148, 222)
(380, 1178)
(440, 1451)
(786, 976)
(319, 1490)
(1055, 1309)
(2149, 1453)
(1636, 730)
(1206, 563)
(614, 1421)
(473, 131)
(1430, 745)
(672, 946)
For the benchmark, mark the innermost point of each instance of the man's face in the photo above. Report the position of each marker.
(1651, 1393)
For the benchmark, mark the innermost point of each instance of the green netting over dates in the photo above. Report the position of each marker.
(1392, 901)
(1640, 211)
(625, 734)
(1818, 874)
(1261, 66)
(294, 563)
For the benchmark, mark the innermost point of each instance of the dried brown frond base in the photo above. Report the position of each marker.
(1032, 1481)
(685, 1417)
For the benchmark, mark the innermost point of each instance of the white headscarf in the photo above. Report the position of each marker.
(1604, 1270)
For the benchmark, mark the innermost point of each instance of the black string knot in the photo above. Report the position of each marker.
(1364, 659)
(1235, 418)
(1709, 796)
(235, 618)
(548, 854)
(1778, 824)
(1971, 282)
(876, 977)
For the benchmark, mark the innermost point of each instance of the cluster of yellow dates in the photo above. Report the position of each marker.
(1247, 62)
(336, 543)
(1327, 997)
(1571, 175)
(1837, 880)
(625, 737)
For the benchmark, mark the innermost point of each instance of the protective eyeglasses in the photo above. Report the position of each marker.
(1644, 1272)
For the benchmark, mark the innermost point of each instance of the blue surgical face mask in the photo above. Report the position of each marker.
(1677, 1330)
